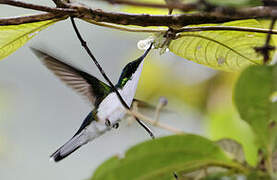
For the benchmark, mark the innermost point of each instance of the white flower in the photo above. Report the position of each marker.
(144, 44)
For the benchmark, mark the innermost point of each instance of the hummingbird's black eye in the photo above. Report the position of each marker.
(108, 123)
(116, 125)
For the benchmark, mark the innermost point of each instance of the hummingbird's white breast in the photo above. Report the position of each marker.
(111, 108)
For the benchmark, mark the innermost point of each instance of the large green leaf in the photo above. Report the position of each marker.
(255, 101)
(226, 116)
(13, 37)
(224, 50)
(158, 159)
(233, 148)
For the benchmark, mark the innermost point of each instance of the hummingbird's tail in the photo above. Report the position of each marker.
(69, 147)
(89, 130)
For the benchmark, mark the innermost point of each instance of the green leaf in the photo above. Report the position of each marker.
(13, 37)
(266, 23)
(158, 159)
(224, 50)
(226, 116)
(255, 101)
(107, 166)
(233, 148)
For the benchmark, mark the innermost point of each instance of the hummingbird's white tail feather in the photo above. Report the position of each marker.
(82, 137)
(69, 147)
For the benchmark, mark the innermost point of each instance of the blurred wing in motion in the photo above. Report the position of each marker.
(85, 84)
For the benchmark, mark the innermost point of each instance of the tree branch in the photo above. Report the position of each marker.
(184, 29)
(153, 122)
(28, 19)
(38, 7)
(154, 20)
(60, 3)
(176, 21)
(266, 48)
(179, 6)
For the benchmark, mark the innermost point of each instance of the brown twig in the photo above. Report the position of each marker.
(185, 29)
(98, 15)
(180, 20)
(180, 6)
(153, 122)
(155, 20)
(38, 7)
(60, 3)
(29, 19)
(266, 48)
(162, 103)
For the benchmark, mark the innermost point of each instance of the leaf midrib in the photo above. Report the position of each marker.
(207, 38)
(141, 156)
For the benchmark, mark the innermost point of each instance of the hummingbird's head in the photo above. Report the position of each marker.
(127, 72)
(130, 69)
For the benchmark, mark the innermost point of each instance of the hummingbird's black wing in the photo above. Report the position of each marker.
(82, 82)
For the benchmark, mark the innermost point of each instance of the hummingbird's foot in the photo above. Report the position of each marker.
(116, 125)
(109, 124)
(175, 176)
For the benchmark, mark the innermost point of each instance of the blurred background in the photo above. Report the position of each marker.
(38, 113)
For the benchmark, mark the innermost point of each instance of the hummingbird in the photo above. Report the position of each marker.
(107, 111)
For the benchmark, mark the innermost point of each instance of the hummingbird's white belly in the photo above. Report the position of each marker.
(111, 108)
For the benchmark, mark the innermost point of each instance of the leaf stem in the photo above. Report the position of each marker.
(225, 28)
(266, 48)
(185, 29)
(153, 122)
(126, 28)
